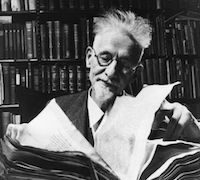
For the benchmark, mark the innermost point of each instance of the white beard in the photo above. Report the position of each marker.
(102, 93)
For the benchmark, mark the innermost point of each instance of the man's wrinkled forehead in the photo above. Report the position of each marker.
(135, 50)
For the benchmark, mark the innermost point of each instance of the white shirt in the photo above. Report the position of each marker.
(95, 114)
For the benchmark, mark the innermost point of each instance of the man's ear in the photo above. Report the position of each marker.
(137, 73)
(88, 53)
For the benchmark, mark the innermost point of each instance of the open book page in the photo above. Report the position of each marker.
(171, 160)
(122, 140)
(52, 130)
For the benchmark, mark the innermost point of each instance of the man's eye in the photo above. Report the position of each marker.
(105, 57)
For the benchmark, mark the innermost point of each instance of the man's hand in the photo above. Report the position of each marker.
(15, 130)
(181, 124)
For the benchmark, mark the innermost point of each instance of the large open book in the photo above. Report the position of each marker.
(50, 147)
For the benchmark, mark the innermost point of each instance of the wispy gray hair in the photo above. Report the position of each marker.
(135, 26)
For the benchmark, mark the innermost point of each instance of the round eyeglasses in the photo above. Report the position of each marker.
(105, 59)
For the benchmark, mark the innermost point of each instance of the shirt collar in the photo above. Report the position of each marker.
(94, 112)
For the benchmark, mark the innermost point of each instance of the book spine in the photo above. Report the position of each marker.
(1, 85)
(50, 39)
(55, 78)
(12, 85)
(72, 79)
(43, 4)
(162, 70)
(14, 41)
(29, 39)
(5, 5)
(6, 119)
(66, 41)
(10, 41)
(155, 67)
(15, 5)
(76, 41)
(36, 78)
(80, 78)
(6, 81)
(44, 79)
(49, 85)
(149, 71)
(23, 77)
(18, 42)
(32, 5)
(2, 45)
(34, 32)
(64, 78)
(43, 40)
(57, 30)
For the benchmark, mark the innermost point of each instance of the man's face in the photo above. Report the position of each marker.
(109, 81)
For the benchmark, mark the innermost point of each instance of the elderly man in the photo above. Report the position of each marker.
(114, 61)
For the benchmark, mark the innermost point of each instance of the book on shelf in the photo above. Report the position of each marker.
(76, 41)
(15, 5)
(12, 85)
(6, 82)
(43, 40)
(66, 41)
(29, 39)
(64, 78)
(5, 5)
(8, 117)
(55, 78)
(57, 31)
(36, 78)
(51, 42)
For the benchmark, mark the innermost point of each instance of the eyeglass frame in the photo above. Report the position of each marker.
(132, 69)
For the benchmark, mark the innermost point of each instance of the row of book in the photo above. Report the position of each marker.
(18, 41)
(182, 4)
(99, 4)
(51, 5)
(62, 40)
(128, 4)
(183, 36)
(44, 78)
(6, 118)
(18, 5)
(158, 35)
(165, 71)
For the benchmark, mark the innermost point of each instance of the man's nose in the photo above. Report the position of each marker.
(111, 69)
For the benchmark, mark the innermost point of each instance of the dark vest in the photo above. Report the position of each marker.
(75, 107)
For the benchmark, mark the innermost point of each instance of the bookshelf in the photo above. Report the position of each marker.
(43, 47)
